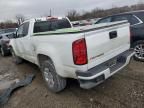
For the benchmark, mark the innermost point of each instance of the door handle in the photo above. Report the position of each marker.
(113, 34)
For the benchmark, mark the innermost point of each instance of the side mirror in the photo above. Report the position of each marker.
(0, 37)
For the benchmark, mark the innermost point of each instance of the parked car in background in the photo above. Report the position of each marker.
(85, 22)
(75, 23)
(93, 21)
(5, 37)
(136, 20)
(91, 54)
(9, 30)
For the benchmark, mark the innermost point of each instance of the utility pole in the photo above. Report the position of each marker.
(50, 12)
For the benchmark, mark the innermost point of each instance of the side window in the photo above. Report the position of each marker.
(20, 32)
(130, 18)
(105, 20)
(23, 30)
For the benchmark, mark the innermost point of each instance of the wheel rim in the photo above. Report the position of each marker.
(48, 77)
(139, 51)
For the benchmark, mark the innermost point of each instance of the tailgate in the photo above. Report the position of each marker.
(107, 42)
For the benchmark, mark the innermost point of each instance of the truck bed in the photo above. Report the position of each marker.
(99, 45)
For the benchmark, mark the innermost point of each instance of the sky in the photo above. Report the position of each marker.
(37, 8)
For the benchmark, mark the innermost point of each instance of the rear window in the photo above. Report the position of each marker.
(51, 25)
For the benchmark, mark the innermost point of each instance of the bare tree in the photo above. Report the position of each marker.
(20, 18)
(98, 13)
(8, 24)
(73, 15)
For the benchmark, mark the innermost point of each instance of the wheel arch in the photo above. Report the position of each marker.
(57, 63)
(41, 57)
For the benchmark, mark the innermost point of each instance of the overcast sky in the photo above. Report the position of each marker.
(37, 8)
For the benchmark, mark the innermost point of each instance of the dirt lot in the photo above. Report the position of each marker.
(123, 90)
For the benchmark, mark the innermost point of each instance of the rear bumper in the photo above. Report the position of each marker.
(98, 74)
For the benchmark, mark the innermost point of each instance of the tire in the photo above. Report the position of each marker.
(54, 82)
(139, 51)
(3, 53)
(16, 59)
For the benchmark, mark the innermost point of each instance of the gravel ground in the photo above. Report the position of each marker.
(123, 90)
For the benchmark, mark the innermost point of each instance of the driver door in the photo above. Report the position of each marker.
(18, 41)
(23, 42)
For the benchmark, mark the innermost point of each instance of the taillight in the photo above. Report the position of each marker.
(79, 52)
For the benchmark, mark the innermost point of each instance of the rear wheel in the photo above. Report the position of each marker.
(139, 51)
(15, 58)
(54, 82)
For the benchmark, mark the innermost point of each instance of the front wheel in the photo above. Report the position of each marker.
(16, 59)
(3, 53)
(139, 51)
(54, 82)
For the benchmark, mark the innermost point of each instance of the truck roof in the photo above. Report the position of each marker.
(48, 18)
(45, 18)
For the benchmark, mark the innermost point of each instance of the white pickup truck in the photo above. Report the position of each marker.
(90, 54)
